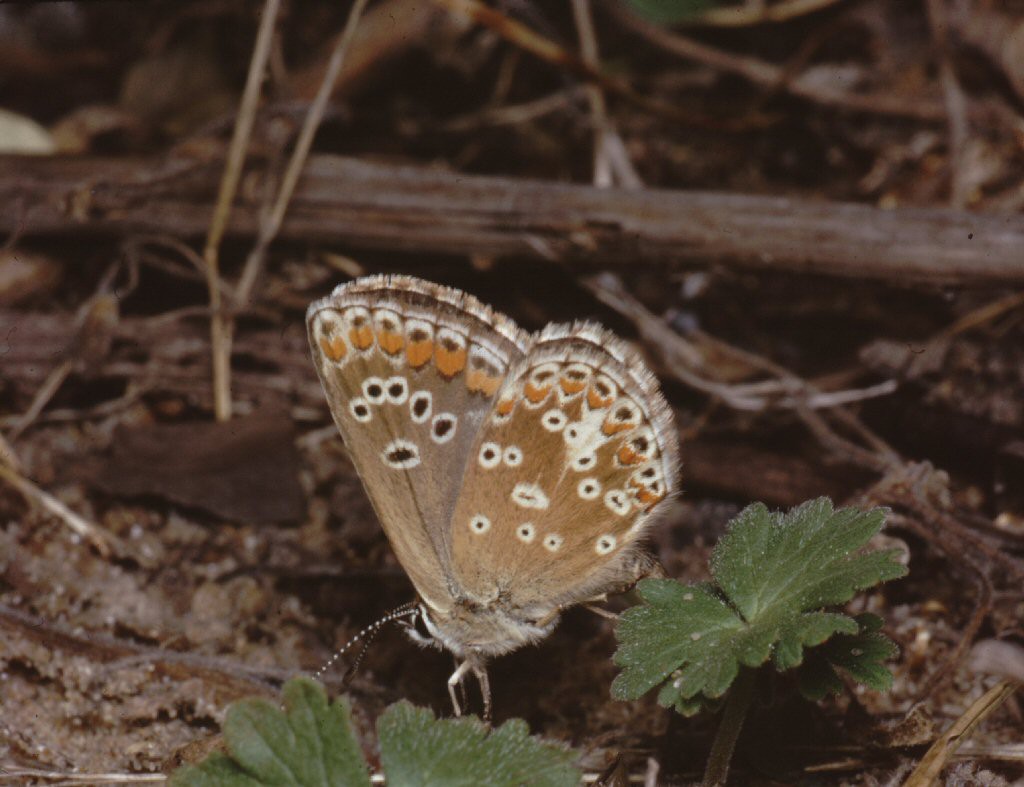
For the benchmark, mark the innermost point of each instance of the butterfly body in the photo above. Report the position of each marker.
(514, 474)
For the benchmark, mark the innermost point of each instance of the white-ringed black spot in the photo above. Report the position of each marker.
(552, 542)
(605, 544)
(529, 495)
(373, 390)
(588, 488)
(479, 524)
(585, 462)
(490, 455)
(442, 428)
(525, 532)
(553, 420)
(626, 412)
(401, 454)
(513, 456)
(617, 501)
(397, 390)
(360, 410)
(420, 406)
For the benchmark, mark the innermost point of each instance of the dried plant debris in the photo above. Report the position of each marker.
(243, 471)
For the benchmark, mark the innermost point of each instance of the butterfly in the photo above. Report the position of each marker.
(514, 474)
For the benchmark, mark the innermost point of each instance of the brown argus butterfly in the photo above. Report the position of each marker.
(514, 474)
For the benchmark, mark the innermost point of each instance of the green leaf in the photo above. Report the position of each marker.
(667, 12)
(417, 750)
(774, 575)
(861, 655)
(310, 743)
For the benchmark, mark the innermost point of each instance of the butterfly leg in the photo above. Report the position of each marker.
(455, 682)
(480, 671)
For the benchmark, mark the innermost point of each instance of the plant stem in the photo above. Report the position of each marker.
(736, 707)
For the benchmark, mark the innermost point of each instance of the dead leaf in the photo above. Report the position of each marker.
(245, 470)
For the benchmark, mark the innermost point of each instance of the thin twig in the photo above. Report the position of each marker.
(598, 112)
(544, 48)
(956, 104)
(683, 361)
(54, 380)
(755, 13)
(768, 75)
(97, 537)
(77, 777)
(270, 227)
(220, 324)
(927, 771)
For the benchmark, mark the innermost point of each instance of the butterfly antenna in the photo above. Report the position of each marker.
(406, 610)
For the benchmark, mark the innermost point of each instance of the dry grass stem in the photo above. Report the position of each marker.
(87, 530)
(221, 323)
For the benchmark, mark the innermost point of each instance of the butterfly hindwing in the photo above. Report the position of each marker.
(576, 455)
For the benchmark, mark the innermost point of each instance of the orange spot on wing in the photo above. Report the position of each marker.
(477, 380)
(571, 387)
(628, 456)
(534, 394)
(505, 407)
(648, 498)
(390, 342)
(490, 385)
(449, 362)
(596, 401)
(419, 353)
(361, 337)
(333, 347)
(610, 427)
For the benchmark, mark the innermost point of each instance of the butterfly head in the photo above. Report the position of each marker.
(471, 628)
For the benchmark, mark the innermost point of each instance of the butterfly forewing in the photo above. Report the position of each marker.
(410, 370)
(572, 462)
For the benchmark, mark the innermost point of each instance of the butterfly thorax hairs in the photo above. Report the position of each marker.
(515, 475)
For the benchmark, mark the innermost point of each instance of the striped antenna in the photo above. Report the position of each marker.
(406, 610)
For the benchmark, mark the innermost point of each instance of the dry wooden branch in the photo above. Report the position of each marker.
(371, 205)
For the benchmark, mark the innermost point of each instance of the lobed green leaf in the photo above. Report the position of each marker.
(309, 743)
(775, 574)
(861, 655)
(419, 751)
